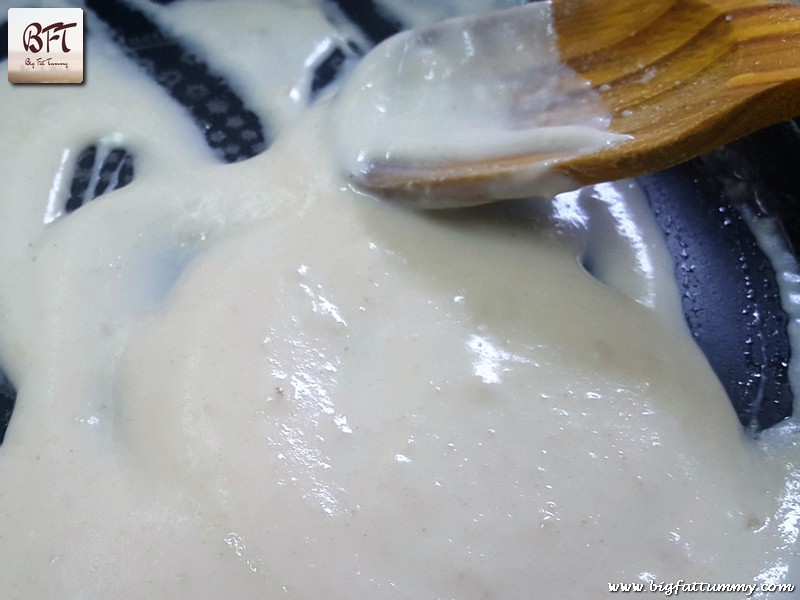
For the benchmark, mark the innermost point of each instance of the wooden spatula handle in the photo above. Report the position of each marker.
(715, 69)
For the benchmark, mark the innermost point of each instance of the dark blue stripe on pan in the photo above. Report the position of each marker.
(3, 38)
(729, 292)
(8, 397)
(367, 16)
(231, 129)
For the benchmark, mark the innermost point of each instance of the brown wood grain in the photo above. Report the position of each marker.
(717, 71)
(680, 77)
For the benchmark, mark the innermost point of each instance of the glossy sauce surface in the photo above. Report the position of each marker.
(250, 380)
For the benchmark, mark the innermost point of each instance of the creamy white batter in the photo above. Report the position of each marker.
(251, 381)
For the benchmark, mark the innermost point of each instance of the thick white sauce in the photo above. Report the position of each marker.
(251, 381)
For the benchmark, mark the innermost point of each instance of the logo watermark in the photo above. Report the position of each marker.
(45, 45)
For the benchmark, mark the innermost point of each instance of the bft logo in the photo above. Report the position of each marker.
(45, 45)
(32, 36)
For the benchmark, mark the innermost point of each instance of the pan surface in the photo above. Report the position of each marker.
(730, 220)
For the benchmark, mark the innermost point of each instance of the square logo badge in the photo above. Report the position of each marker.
(45, 45)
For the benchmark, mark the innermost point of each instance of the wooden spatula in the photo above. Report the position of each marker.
(675, 78)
